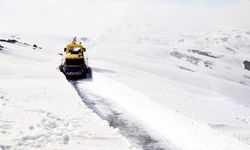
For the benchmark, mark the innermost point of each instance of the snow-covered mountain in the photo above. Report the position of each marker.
(162, 89)
(189, 87)
(166, 75)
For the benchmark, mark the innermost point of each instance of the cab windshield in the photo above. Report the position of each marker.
(74, 50)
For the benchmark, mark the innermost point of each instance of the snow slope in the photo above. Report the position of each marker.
(189, 87)
(39, 109)
(186, 88)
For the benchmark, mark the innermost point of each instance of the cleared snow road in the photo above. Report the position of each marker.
(118, 118)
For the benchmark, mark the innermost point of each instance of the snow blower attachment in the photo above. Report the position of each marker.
(74, 62)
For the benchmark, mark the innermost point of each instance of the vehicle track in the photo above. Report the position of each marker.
(132, 130)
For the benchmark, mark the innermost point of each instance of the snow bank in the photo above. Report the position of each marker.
(188, 134)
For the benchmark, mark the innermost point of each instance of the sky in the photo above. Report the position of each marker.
(202, 1)
(72, 17)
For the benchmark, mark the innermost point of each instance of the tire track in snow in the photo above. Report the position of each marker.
(132, 130)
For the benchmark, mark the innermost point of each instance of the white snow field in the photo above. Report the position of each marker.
(155, 86)
(189, 87)
(186, 89)
(39, 109)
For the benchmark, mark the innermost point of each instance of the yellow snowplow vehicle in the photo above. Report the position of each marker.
(74, 62)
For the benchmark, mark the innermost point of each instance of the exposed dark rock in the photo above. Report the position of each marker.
(246, 76)
(208, 64)
(238, 36)
(218, 125)
(26, 44)
(13, 41)
(191, 59)
(242, 82)
(225, 39)
(1, 47)
(184, 68)
(181, 40)
(230, 49)
(9, 41)
(247, 65)
(209, 54)
(177, 54)
(36, 47)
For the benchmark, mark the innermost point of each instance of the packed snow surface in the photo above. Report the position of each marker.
(39, 109)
